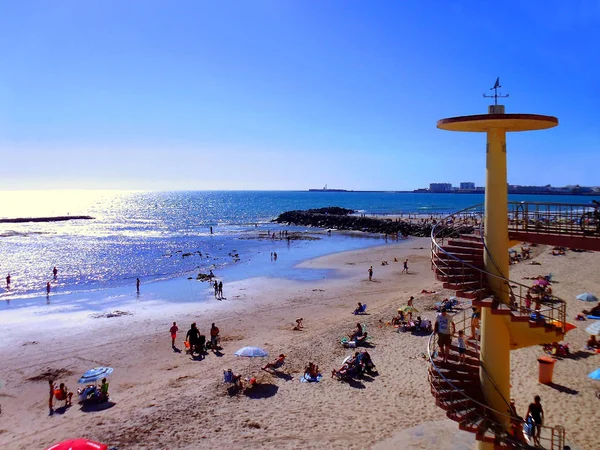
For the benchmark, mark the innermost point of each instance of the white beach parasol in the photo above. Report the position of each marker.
(594, 328)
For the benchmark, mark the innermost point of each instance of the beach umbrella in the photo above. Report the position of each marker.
(587, 297)
(78, 444)
(541, 282)
(594, 328)
(95, 374)
(595, 375)
(251, 352)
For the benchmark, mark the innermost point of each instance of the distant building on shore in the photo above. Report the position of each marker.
(467, 187)
(440, 187)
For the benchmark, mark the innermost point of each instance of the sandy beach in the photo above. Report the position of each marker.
(163, 399)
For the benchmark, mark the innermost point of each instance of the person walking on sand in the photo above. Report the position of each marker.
(220, 289)
(48, 288)
(370, 273)
(216, 286)
(173, 330)
(137, 285)
(405, 269)
(55, 272)
(536, 412)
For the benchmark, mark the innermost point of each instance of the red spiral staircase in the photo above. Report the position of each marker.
(457, 257)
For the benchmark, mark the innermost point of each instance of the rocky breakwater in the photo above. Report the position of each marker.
(343, 219)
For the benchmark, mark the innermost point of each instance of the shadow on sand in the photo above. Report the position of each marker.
(564, 389)
(262, 390)
(95, 407)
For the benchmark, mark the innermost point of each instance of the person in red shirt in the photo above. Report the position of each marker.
(173, 330)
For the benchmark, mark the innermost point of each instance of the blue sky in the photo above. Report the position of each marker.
(290, 94)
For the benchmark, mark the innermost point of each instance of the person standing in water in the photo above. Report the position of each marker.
(220, 289)
(137, 285)
(48, 288)
(370, 273)
(55, 272)
(8, 281)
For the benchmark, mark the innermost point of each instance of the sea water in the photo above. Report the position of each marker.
(158, 236)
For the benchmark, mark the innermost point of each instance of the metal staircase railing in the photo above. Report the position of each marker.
(468, 221)
(552, 438)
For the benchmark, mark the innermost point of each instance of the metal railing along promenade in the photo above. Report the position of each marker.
(563, 219)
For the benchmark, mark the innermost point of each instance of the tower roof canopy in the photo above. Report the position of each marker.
(509, 122)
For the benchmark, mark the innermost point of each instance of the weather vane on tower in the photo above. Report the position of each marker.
(496, 96)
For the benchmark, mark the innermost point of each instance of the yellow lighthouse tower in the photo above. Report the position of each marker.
(497, 337)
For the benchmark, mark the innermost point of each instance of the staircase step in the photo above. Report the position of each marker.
(461, 242)
(483, 303)
(473, 425)
(460, 277)
(473, 294)
(517, 316)
(470, 237)
(502, 309)
(466, 286)
(464, 256)
(460, 384)
(472, 353)
(453, 395)
(465, 416)
(484, 434)
(454, 263)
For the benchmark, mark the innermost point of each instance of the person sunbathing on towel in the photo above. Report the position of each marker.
(359, 309)
(361, 339)
(595, 311)
(592, 342)
(275, 364)
(311, 371)
(356, 333)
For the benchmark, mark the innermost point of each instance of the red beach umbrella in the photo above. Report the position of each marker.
(78, 444)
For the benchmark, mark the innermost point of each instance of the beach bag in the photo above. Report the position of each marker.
(528, 427)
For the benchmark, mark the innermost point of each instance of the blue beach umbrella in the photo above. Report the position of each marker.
(587, 297)
(595, 375)
(95, 374)
(251, 352)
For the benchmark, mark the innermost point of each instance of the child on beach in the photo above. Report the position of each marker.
(173, 330)
(370, 273)
(405, 269)
(462, 348)
(299, 324)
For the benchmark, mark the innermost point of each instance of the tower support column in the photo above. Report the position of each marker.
(495, 338)
(496, 212)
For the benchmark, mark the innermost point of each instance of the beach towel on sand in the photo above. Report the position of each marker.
(594, 317)
(305, 379)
